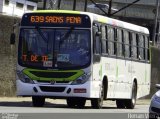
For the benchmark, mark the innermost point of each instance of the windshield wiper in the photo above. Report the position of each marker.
(41, 34)
(66, 35)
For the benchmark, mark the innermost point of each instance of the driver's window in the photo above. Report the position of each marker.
(97, 44)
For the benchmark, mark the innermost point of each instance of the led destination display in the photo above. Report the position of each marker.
(53, 19)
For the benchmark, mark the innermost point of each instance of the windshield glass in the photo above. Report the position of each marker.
(54, 48)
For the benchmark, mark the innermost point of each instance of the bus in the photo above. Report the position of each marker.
(81, 56)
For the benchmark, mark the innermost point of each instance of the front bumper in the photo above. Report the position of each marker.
(89, 89)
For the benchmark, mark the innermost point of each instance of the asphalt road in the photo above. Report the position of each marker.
(21, 108)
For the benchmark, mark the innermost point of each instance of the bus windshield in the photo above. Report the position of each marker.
(54, 47)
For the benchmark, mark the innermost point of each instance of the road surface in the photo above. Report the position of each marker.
(21, 108)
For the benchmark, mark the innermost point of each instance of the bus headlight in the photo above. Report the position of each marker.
(24, 78)
(81, 80)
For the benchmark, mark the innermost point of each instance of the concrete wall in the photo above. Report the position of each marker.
(1, 5)
(155, 69)
(7, 57)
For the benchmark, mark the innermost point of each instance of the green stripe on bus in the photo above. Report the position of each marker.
(145, 75)
(57, 11)
(103, 20)
(100, 71)
(77, 74)
(117, 72)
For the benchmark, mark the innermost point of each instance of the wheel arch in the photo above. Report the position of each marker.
(105, 84)
(135, 81)
(136, 84)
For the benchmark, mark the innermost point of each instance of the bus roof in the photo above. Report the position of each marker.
(102, 19)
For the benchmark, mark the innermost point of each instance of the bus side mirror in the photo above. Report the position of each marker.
(12, 38)
(98, 33)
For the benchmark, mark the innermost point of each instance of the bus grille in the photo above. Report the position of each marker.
(56, 82)
(52, 89)
(53, 74)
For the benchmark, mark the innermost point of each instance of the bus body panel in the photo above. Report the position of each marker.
(123, 86)
(119, 85)
(121, 74)
(143, 78)
(92, 90)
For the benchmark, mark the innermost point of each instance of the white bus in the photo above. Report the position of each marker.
(81, 56)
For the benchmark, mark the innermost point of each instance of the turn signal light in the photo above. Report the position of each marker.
(80, 90)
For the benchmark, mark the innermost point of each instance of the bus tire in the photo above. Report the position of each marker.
(81, 102)
(71, 102)
(130, 103)
(120, 104)
(76, 102)
(38, 101)
(97, 103)
(105, 83)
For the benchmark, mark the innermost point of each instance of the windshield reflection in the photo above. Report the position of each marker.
(54, 48)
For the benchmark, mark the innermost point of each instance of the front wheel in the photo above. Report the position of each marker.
(38, 101)
(71, 102)
(97, 103)
(76, 102)
(81, 102)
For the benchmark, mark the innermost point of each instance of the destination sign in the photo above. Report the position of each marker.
(55, 20)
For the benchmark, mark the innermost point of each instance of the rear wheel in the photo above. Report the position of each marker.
(38, 101)
(97, 103)
(130, 103)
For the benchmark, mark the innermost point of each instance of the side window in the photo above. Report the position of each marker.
(123, 44)
(104, 47)
(115, 41)
(106, 27)
(119, 43)
(130, 44)
(97, 44)
(134, 46)
(146, 48)
(126, 42)
(141, 47)
(137, 41)
(110, 40)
